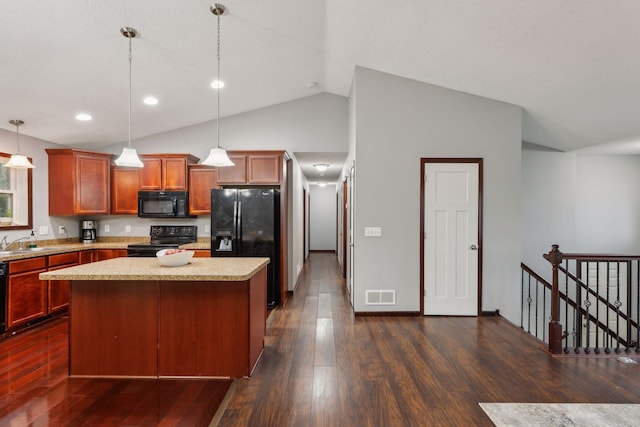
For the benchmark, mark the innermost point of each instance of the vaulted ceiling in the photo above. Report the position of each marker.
(573, 65)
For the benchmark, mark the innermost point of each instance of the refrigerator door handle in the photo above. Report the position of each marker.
(239, 230)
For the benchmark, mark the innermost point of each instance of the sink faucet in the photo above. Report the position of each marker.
(4, 245)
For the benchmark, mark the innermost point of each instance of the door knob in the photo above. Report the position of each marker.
(474, 248)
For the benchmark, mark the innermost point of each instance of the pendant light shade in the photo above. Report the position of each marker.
(129, 156)
(17, 161)
(217, 156)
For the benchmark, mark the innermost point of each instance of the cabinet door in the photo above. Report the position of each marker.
(86, 257)
(92, 184)
(102, 254)
(58, 292)
(151, 174)
(201, 253)
(202, 180)
(124, 190)
(263, 169)
(119, 253)
(174, 173)
(26, 298)
(236, 174)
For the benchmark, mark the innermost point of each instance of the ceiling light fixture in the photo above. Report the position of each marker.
(83, 117)
(18, 161)
(129, 156)
(321, 167)
(150, 100)
(218, 156)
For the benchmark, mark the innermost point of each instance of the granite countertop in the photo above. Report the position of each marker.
(199, 269)
(59, 248)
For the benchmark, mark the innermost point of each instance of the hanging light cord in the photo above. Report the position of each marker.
(130, 58)
(218, 92)
(18, 136)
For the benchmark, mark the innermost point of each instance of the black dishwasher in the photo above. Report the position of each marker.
(4, 267)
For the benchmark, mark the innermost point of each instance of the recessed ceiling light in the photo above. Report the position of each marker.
(217, 84)
(321, 167)
(322, 184)
(150, 100)
(83, 117)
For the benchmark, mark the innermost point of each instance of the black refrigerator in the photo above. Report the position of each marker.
(246, 223)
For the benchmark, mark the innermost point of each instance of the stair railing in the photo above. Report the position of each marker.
(592, 303)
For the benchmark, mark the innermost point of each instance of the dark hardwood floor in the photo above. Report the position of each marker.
(35, 389)
(321, 367)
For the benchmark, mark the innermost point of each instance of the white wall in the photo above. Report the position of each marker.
(548, 205)
(34, 148)
(322, 218)
(583, 203)
(397, 122)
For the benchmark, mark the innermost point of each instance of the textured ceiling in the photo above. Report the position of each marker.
(572, 65)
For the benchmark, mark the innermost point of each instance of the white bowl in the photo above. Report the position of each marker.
(174, 260)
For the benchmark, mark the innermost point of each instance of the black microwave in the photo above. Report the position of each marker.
(163, 204)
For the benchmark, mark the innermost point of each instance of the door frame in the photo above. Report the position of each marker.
(423, 162)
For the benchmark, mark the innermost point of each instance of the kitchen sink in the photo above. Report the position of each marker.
(22, 251)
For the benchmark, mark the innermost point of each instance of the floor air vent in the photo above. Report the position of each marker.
(380, 297)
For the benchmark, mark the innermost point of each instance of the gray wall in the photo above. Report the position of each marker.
(398, 121)
(322, 218)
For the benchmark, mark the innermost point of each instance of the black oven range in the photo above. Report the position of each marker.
(164, 237)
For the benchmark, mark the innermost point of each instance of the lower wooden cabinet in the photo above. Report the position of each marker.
(58, 290)
(202, 253)
(30, 299)
(26, 293)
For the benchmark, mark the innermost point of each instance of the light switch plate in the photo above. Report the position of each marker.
(373, 231)
(127, 229)
(107, 228)
(44, 229)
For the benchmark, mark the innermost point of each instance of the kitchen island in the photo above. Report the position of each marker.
(132, 317)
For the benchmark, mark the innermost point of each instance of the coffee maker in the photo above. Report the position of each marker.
(88, 231)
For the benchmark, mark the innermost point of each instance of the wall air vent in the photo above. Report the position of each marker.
(382, 297)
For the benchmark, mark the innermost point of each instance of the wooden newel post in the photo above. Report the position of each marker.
(555, 327)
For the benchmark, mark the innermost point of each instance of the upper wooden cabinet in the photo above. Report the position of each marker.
(254, 167)
(165, 171)
(160, 172)
(202, 179)
(79, 182)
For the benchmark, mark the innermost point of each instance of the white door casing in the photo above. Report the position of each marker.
(451, 246)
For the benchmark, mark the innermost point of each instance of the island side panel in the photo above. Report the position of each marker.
(257, 316)
(203, 329)
(113, 328)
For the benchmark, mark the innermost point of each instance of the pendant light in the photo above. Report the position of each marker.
(218, 156)
(129, 157)
(18, 161)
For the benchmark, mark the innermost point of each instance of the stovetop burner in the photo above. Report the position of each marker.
(164, 237)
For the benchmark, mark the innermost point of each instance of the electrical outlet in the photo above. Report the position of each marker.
(127, 229)
(107, 228)
(207, 228)
(44, 229)
(61, 229)
(373, 231)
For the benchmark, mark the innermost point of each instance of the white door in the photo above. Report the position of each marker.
(451, 248)
(351, 215)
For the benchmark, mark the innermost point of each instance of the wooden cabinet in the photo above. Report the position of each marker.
(160, 172)
(202, 179)
(202, 253)
(79, 182)
(236, 174)
(165, 171)
(124, 195)
(253, 167)
(26, 293)
(85, 257)
(102, 254)
(58, 290)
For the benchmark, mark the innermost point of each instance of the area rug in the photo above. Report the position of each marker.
(562, 414)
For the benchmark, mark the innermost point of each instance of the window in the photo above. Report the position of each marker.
(15, 197)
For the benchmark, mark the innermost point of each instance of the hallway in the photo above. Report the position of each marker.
(324, 367)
